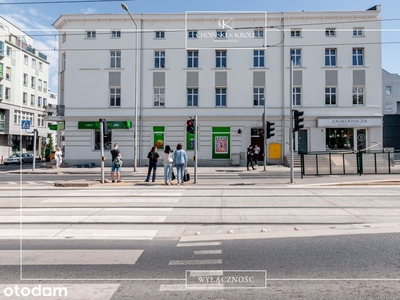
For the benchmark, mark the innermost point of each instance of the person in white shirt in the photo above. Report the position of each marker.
(255, 155)
(167, 160)
(58, 156)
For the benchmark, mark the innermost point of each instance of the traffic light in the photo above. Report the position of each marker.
(261, 133)
(270, 129)
(297, 120)
(190, 126)
(105, 126)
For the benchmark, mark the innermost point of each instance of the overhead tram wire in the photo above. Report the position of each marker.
(60, 2)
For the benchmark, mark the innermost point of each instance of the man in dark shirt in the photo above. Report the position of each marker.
(114, 153)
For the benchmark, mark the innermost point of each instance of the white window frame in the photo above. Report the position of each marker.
(40, 84)
(258, 58)
(297, 61)
(26, 59)
(159, 59)
(24, 98)
(9, 51)
(159, 97)
(32, 100)
(358, 31)
(330, 32)
(297, 95)
(192, 34)
(357, 92)
(8, 73)
(115, 92)
(258, 33)
(221, 59)
(7, 94)
(388, 90)
(40, 66)
(192, 97)
(115, 34)
(331, 95)
(221, 34)
(331, 56)
(357, 55)
(258, 96)
(33, 82)
(295, 32)
(25, 79)
(193, 59)
(90, 34)
(220, 94)
(33, 63)
(39, 101)
(159, 35)
(388, 107)
(115, 59)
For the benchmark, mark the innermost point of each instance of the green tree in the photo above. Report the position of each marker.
(51, 146)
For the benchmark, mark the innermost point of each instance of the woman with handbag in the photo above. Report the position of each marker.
(180, 161)
(167, 160)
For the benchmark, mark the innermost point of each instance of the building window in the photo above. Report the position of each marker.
(221, 34)
(295, 32)
(115, 97)
(33, 82)
(40, 122)
(1, 92)
(160, 34)
(40, 84)
(90, 34)
(64, 37)
(358, 95)
(33, 63)
(159, 59)
(159, 97)
(45, 86)
(339, 138)
(297, 96)
(39, 101)
(193, 59)
(26, 59)
(192, 97)
(24, 98)
(388, 90)
(40, 66)
(258, 33)
(1, 49)
(220, 97)
(115, 34)
(107, 140)
(8, 94)
(32, 100)
(330, 32)
(258, 58)
(115, 56)
(192, 34)
(8, 51)
(330, 57)
(220, 57)
(296, 54)
(388, 107)
(358, 31)
(330, 96)
(258, 96)
(358, 56)
(8, 73)
(1, 71)
(25, 79)
(63, 61)
(44, 102)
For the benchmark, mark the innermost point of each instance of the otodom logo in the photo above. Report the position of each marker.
(35, 291)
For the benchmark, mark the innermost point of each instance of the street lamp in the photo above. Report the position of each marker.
(125, 7)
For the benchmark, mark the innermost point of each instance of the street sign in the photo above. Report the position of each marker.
(25, 124)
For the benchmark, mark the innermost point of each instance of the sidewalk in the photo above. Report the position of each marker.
(232, 175)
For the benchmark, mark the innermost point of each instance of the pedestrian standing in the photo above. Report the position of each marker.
(180, 161)
(250, 153)
(47, 153)
(153, 157)
(167, 160)
(116, 163)
(58, 156)
(255, 155)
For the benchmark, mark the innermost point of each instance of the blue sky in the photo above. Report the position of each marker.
(36, 19)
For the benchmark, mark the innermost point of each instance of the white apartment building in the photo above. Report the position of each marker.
(24, 76)
(222, 67)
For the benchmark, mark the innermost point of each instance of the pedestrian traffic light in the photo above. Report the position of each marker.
(261, 133)
(270, 129)
(105, 126)
(190, 126)
(297, 120)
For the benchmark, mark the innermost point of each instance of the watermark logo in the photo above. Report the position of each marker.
(226, 23)
(35, 291)
(226, 279)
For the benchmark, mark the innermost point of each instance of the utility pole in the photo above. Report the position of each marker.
(195, 148)
(291, 120)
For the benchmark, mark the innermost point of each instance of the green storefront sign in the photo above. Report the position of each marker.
(158, 136)
(111, 125)
(221, 143)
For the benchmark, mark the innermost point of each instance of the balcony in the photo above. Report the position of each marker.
(54, 111)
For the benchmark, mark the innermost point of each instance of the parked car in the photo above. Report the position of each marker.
(18, 158)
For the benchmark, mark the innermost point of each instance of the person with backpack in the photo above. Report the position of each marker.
(153, 157)
(116, 163)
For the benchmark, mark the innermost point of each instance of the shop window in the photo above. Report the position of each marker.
(107, 140)
(339, 138)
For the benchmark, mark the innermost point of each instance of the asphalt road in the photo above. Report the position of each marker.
(336, 267)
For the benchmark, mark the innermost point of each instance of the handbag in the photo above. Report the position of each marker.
(186, 175)
(173, 176)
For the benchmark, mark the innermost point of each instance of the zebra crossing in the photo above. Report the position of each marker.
(36, 183)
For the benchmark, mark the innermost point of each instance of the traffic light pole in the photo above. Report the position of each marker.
(35, 133)
(291, 120)
(102, 149)
(265, 135)
(195, 149)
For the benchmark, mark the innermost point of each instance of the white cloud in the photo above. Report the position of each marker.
(33, 11)
(88, 10)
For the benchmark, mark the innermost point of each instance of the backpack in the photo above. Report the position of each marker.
(117, 162)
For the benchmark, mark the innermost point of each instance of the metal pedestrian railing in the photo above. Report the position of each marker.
(349, 163)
